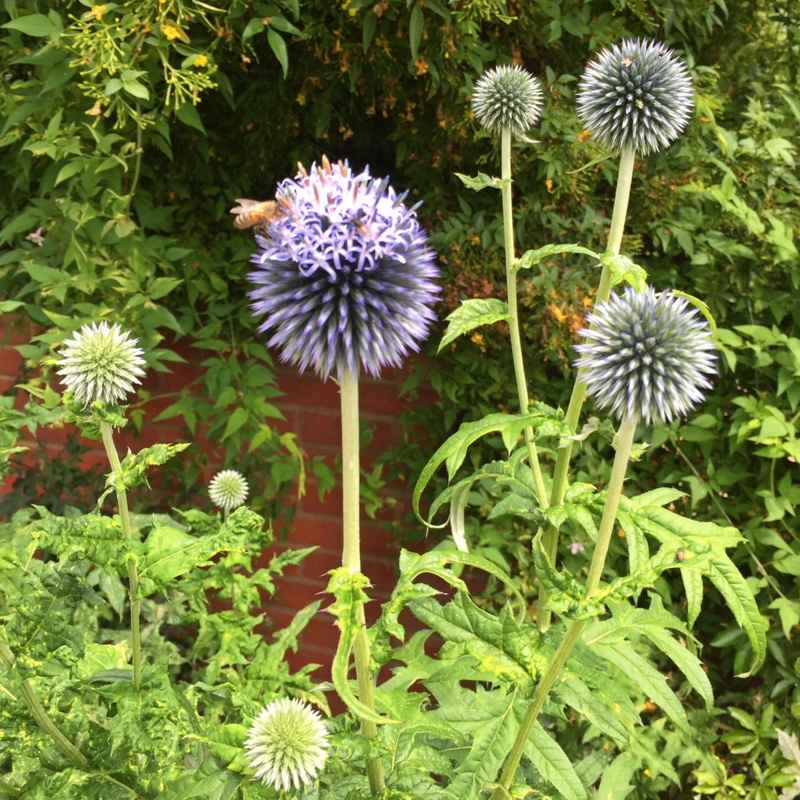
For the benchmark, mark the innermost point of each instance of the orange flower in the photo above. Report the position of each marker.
(96, 13)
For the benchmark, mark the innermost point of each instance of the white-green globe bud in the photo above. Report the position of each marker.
(228, 489)
(287, 744)
(101, 362)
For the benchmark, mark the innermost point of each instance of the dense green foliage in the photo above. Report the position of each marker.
(128, 132)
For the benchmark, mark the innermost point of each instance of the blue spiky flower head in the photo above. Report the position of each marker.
(507, 97)
(646, 355)
(636, 94)
(344, 273)
(287, 744)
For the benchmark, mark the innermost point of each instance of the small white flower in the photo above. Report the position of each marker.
(101, 363)
(287, 744)
(228, 489)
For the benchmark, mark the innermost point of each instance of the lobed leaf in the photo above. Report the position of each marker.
(473, 314)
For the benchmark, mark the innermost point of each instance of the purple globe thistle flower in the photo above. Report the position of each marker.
(507, 97)
(636, 94)
(647, 355)
(344, 274)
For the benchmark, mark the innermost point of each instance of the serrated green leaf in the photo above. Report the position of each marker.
(545, 421)
(473, 314)
(565, 595)
(616, 781)
(347, 587)
(553, 764)
(623, 270)
(490, 745)
(530, 258)
(480, 181)
(655, 623)
(168, 553)
(92, 536)
(693, 536)
(135, 465)
(693, 586)
(645, 677)
(592, 705)
(502, 649)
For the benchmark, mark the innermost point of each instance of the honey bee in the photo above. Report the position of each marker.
(255, 212)
(627, 61)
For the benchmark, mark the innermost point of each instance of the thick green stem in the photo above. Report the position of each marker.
(351, 557)
(133, 577)
(622, 442)
(561, 469)
(513, 313)
(64, 745)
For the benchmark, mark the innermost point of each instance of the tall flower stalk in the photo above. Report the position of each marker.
(635, 97)
(647, 356)
(508, 101)
(102, 364)
(345, 281)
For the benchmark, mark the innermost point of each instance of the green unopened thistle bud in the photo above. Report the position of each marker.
(101, 363)
(228, 489)
(287, 744)
(507, 97)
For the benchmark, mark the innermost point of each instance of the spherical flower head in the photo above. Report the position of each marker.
(287, 744)
(344, 274)
(647, 355)
(636, 94)
(507, 97)
(101, 362)
(228, 489)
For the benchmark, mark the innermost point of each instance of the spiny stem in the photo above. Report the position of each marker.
(125, 521)
(64, 745)
(351, 557)
(513, 313)
(561, 469)
(622, 442)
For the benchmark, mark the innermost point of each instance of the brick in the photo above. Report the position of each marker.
(321, 427)
(307, 390)
(380, 398)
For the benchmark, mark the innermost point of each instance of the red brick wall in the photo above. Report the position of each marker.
(311, 408)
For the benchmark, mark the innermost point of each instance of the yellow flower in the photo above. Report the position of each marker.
(174, 31)
(96, 12)
(200, 61)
